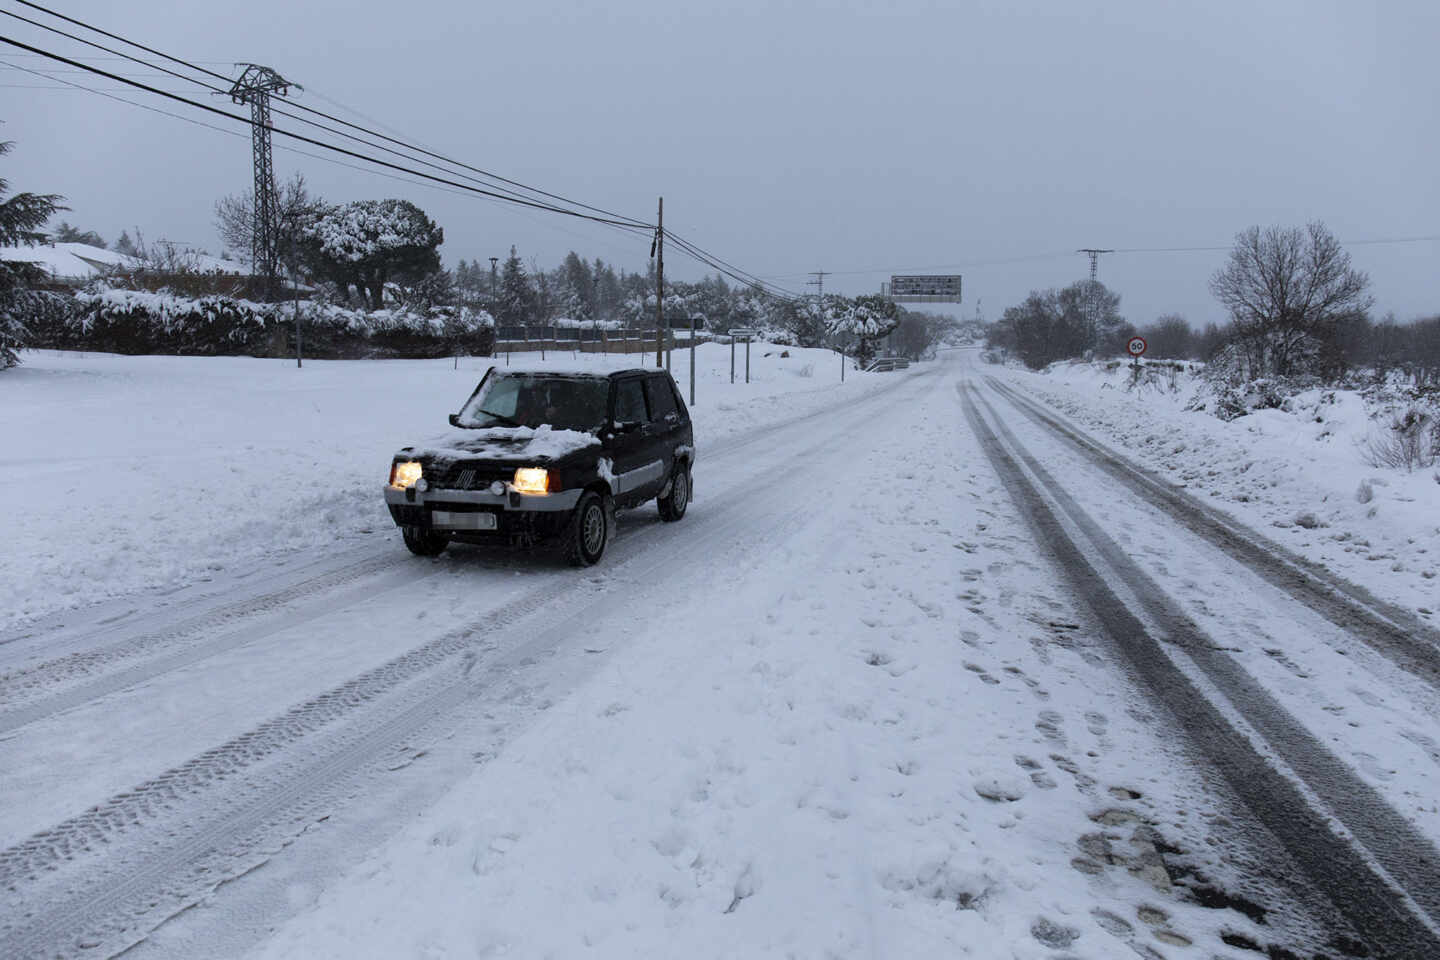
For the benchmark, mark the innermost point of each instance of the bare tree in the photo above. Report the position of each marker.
(1169, 338)
(235, 217)
(1286, 290)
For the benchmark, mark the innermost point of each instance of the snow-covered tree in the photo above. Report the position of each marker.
(21, 218)
(577, 290)
(863, 320)
(516, 304)
(369, 243)
(126, 246)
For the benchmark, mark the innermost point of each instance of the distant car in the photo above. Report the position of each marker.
(541, 457)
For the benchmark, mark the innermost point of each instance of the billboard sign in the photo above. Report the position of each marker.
(925, 289)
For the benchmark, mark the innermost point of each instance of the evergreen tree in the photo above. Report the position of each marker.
(544, 310)
(21, 218)
(577, 291)
(371, 242)
(516, 305)
(126, 246)
(68, 234)
(608, 292)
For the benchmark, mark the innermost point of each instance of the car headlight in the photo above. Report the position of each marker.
(404, 474)
(532, 480)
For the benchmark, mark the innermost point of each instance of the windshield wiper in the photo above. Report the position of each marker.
(499, 416)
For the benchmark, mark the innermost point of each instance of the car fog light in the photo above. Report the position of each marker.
(422, 485)
(498, 487)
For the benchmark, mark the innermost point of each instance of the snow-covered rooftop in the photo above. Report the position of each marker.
(80, 262)
(69, 261)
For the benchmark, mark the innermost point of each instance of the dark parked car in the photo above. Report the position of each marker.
(546, 457)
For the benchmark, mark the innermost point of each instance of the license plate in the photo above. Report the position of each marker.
(450, 520)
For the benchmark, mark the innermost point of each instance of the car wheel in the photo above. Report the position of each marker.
(424, 543)
(588, 532)
(673, 504)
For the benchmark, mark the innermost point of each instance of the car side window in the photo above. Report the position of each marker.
(630, 402)
(662, 400)
(679, 403)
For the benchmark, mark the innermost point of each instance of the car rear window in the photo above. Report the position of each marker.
(662, 400)
(630, 402)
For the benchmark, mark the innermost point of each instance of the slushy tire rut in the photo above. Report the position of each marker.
(1381, 874)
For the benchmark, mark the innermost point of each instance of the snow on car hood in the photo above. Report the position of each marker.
(505, 443)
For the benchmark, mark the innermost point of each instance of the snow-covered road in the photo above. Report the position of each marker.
(918, 675)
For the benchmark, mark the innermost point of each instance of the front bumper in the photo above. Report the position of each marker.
(514, 512)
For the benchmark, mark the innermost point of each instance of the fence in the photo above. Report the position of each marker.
(585, 339)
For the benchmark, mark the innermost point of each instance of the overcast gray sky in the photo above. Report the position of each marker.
(795, 136)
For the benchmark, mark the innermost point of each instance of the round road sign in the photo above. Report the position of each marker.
(1136, 346)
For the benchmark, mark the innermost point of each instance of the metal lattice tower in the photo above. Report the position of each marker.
(254, 87)
(1094, 260)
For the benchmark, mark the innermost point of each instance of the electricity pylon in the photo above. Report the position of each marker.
(254, 87)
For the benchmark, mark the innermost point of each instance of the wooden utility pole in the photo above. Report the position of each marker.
(660, 285)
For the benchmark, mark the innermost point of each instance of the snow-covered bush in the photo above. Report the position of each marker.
(141, 321)
(1411, 440)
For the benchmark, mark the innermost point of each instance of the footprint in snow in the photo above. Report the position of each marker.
(979, 671)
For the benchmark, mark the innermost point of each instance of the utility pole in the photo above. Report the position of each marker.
(493, 262)
(819, 284)
(254, 87)
(1094, 260)
(657, 250)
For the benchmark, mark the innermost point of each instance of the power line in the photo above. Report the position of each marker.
(319, 143)
(609, 218)
(218, 90)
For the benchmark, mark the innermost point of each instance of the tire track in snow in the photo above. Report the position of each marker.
(194, 652)
(26, 682)
(1392, 631)
(1380, 874)
(148, 824)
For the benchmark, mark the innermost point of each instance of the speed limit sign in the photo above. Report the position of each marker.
(1136, 346)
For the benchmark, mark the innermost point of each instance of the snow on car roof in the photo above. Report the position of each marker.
(539, 371)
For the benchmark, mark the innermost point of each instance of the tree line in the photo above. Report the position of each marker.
(1296, 307)
(382, 257)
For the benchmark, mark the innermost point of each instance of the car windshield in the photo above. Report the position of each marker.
(535, 400)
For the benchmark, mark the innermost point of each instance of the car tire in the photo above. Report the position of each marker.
(673, 504)
(424, 543)
(588, 532)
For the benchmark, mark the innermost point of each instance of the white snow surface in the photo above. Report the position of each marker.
(506, 443)
(69, 261)
(865, 721)
(154, 472)
(1298, 474)
(859, 742)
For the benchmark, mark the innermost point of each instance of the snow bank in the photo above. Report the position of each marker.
(1299, 469)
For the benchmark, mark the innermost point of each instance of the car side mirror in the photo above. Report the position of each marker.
(454, 419)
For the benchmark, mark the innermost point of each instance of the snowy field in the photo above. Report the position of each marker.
(154, 472)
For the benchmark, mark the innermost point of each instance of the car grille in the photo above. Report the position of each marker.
(466, 476)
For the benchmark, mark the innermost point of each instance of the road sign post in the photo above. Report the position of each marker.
(1136, 347)
(748, 334)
